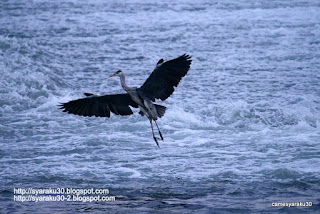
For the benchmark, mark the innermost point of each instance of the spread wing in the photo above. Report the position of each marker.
(100, 106)
(160, 84)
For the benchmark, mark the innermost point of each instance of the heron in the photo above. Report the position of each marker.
(159, 85)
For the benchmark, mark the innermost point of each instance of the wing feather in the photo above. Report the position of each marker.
(167, 75)
(100, 106)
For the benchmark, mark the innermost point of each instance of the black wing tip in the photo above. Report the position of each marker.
(61, 105)
(187, 56)
(160, 61)
(88, 94)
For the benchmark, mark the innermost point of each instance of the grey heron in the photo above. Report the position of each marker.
(159, 85)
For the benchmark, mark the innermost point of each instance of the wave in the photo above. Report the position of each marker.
(244, 116)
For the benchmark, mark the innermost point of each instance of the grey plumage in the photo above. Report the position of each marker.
(159, 85)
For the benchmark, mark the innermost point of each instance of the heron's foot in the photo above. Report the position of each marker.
(156, 139)
(161, 135)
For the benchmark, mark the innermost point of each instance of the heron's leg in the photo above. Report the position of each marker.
(159, 130)
(154, 137)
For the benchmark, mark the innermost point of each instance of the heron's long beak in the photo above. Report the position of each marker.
(112, 75)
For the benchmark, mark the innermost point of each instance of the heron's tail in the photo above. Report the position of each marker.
(160, 110)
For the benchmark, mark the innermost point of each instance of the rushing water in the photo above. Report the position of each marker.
(241, 130)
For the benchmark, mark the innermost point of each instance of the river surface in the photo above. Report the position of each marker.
(241, 131)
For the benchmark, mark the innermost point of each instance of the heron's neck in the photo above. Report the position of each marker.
(123, 82)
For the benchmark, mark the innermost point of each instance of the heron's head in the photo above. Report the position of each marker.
(118, 73)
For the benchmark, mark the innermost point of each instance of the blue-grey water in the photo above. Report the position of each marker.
(241, 130)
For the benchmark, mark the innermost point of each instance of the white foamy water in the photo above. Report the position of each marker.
(241, 130)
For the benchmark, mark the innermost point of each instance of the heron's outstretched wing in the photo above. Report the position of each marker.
(160, 84)
(100, 106)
